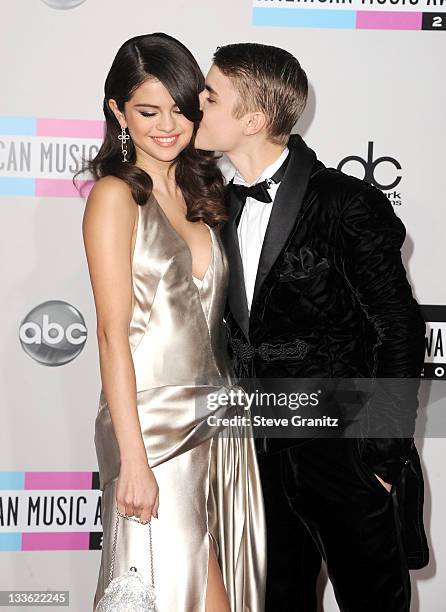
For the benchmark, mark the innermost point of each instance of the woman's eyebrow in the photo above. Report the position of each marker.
(153, 105)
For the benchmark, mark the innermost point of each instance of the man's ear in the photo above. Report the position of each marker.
(254, 123)
(117, 113)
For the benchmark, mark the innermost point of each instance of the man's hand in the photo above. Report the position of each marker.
(386, 485)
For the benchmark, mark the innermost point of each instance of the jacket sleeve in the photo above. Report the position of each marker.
(370, 237)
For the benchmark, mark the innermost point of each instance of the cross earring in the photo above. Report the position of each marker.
(123, 137)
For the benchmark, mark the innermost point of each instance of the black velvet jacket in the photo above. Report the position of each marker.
(332, 299)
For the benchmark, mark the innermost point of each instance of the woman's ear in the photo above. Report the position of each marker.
(117, 113)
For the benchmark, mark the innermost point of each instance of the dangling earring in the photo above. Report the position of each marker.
(123, 138)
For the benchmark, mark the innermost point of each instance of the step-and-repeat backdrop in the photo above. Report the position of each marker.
(376, 110)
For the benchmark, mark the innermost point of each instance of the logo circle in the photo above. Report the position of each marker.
(63, 4)
(53, 333)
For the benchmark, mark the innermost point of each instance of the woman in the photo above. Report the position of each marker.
(159, 277)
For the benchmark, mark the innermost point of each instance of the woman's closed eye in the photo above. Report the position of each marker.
(152, 114)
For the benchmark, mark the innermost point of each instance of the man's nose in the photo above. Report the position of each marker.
(202, 98)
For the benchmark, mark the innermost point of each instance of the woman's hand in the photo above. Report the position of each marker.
(137, 491)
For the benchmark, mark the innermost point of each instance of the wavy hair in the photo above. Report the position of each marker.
(196, 172)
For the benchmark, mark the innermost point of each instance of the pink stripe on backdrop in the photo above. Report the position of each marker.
(56, 541)
(62, 188)
(382, 20)
(58, 480)
(70, 128)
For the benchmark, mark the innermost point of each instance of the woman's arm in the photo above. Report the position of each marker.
(109, 221)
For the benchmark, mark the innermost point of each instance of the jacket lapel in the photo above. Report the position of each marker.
(286, 207)
(236, 286)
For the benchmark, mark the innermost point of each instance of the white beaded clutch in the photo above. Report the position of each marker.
(128, 592)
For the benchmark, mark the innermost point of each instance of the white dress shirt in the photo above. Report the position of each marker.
(253, 223)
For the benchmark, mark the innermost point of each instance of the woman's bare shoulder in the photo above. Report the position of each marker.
(112, 196)
(111, 189)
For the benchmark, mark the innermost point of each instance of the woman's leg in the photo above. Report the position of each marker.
(216, 596)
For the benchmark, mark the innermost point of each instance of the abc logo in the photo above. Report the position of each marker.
(370, 165)
(63, 4)
(53, 333)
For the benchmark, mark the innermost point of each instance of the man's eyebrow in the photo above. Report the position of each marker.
(211, 90)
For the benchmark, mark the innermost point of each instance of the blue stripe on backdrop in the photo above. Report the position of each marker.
(12, 480)
(18, 126)
(10, 541)
(305, 18)
(17, 186)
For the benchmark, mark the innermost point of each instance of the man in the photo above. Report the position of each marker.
(317, 289)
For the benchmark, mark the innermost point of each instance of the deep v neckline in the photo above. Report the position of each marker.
(201, 280)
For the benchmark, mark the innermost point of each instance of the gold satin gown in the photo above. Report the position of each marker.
(208, 477)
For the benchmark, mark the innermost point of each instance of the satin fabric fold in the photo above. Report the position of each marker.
(209, 485)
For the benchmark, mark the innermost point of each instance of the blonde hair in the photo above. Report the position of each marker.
(267, 79)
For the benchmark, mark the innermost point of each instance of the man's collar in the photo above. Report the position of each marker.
(267, 172)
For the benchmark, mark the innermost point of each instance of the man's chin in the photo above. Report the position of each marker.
(203, 143)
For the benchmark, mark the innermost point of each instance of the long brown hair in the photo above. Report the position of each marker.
(196, 172)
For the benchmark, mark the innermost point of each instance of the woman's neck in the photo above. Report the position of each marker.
(162, 173)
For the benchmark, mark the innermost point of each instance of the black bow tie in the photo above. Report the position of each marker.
(259, 191)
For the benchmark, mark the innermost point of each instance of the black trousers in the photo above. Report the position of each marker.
(322, 500)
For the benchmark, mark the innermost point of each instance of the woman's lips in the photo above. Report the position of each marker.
(166, 141)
